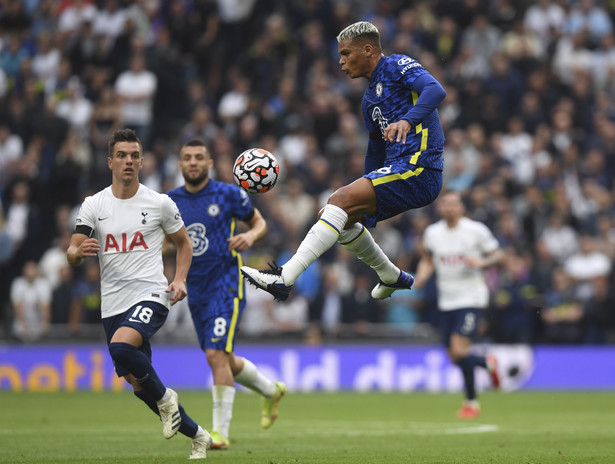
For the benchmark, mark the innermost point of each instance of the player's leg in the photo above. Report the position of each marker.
(459, 352)
(351, 201)
(128, 340)
(216, 317)
(249, 376)
(399, 187)
(223, 396)
(201, 440)
(460, 344)
(358, 240)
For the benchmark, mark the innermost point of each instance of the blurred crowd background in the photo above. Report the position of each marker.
(529, 120)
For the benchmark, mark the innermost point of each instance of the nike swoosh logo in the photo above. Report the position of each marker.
(214, 340)
(134, 320)
(102, 219)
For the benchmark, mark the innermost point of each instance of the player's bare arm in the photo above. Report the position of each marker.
(81, 247)
(168, 247)
(243, 241)
(397, 131)
(491, 259)
(424, 270)
(183, 259)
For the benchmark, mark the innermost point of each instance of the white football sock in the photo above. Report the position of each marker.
(252, 378)
(361, 243)
(223, 399)
(319, 239)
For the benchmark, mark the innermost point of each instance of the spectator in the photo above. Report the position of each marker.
(598, 312)
(585, 266)
(562, 312)
(31, 298)
(75, 108)
(62, 301)
(136, 88)
(11, 150)
(546, 19)
(54, 259)
(85, 309)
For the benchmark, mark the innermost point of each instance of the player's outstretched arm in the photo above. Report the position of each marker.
(258, 229)
(81, 247)
(183, 259)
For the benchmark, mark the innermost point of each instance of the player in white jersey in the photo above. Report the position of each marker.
(457, 249)
(125, 225)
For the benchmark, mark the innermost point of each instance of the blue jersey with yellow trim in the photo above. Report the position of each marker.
(210, 216)
(388, 98)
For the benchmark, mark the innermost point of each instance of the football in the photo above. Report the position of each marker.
(256, 170)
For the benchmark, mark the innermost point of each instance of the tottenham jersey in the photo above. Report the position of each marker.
(388, 98)
(211, 217)
(459, 286)
(130, 233)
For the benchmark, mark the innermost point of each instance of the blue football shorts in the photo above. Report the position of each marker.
(400, 187)
(146, 317)
(216, 317)
(461, 321)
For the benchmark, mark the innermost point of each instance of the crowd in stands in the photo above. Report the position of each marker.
(529, 119)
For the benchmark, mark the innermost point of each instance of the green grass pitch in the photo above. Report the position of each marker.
(418, 428)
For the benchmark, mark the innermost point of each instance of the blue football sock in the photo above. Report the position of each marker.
(467, 369)
(479, 361)
(139, 365)
(188, 427)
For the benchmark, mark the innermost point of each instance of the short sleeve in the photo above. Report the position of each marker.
(428, 239)
(488, 242)
(171, 217)
(242, 206)
(87, 214)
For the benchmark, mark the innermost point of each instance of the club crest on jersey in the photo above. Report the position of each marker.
(213, 210)
(379, 89)
(122, 244)
(144, 220)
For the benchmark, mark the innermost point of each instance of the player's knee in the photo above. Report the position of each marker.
(341, 199)
(356, 198)
(216, 357)
(121, 353)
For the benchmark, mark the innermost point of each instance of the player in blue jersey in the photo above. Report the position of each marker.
(403, 164)
(210, 209)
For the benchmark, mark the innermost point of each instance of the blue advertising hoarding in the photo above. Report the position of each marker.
(403, 368)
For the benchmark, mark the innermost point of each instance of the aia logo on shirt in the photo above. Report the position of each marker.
(123, 243)
(453, 260)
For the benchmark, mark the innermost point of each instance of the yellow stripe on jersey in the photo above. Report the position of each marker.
(392, 177)
(419, 129)
(231, 332)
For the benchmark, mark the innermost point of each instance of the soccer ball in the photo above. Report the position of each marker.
(256, 170)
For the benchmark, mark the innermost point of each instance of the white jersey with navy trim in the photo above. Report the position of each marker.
(130, 233)
(459, 286)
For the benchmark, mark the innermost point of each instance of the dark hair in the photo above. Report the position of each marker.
(123, 135)
(195, 143)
